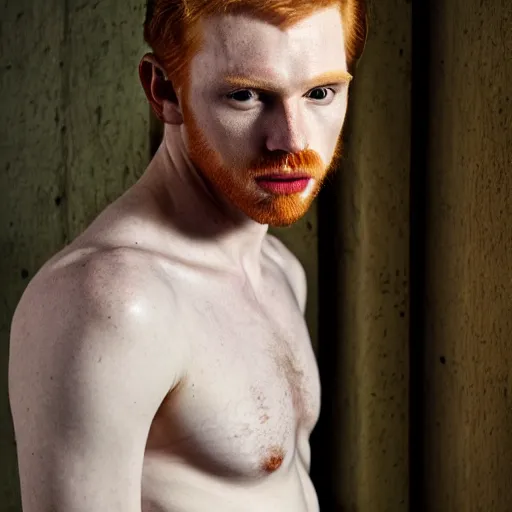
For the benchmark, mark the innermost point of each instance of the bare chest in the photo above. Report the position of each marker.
(251, 396)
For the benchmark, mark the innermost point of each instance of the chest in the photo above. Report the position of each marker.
(252, 390)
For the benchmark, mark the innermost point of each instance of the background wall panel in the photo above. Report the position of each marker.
(31, 172)
(360, 459)
(107, 113)
(468, 358)
(73, 136)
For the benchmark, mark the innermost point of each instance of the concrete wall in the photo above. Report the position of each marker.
(468, 322)
(360, 454)
(73, 136)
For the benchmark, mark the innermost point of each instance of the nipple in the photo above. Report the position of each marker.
(273, 460)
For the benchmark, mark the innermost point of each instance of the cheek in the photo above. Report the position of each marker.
(234, 135)
(200, 120)
(325, 129)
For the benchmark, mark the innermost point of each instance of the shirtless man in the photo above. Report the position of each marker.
(161, 361)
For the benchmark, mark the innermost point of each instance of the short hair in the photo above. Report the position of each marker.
(171, 26)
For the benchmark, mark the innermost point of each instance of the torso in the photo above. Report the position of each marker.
(235, 433)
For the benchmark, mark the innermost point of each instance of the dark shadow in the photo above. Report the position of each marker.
(156, 133)
(323, 439)
(418, 219)
(329, 432)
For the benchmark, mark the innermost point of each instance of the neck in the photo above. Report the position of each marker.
(197, 210)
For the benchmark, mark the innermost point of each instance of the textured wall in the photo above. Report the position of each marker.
(364, 286)
(468, 414)
(73, 136)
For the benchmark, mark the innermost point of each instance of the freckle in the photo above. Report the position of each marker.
(274, 460)
(264, 418)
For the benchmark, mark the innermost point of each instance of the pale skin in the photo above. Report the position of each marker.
(161, 361)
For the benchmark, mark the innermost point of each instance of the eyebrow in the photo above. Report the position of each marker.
(330, 77)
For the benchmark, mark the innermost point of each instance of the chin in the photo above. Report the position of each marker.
(281, 212)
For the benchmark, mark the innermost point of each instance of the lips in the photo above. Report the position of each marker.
(284, 183)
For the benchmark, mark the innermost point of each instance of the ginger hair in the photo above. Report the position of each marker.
(172, 27)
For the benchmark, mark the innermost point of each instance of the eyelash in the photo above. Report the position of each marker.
(231, 94)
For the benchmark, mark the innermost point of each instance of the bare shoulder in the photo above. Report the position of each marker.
(291, 267)
(92, 357)
(95, 302)
(120, 281)
(88, 273)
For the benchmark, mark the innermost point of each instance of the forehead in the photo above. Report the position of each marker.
(241, 44)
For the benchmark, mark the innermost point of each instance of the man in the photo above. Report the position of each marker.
(161, 361)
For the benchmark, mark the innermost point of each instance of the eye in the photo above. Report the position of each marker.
(242, 96)
(322, 94)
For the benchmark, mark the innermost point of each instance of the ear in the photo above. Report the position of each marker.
(159, 90)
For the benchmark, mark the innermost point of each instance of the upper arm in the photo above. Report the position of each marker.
(293, 270)
(88, 370)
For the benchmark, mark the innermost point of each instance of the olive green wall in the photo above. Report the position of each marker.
(73, 136)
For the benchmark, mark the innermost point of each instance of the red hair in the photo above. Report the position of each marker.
(171, 26)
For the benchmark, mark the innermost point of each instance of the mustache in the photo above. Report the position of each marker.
(306, 160)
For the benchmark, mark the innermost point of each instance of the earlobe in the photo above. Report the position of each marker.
(159, 90)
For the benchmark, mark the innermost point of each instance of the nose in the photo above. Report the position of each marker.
(286, 130)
